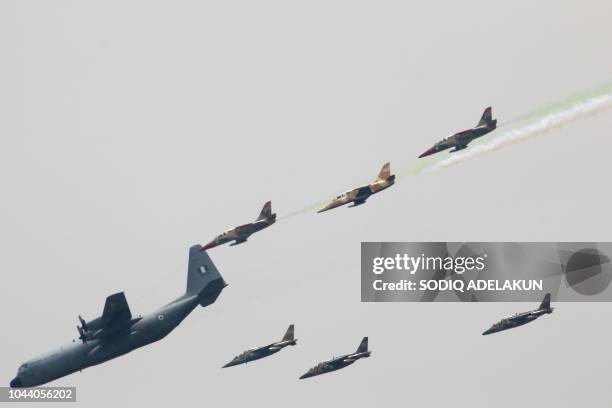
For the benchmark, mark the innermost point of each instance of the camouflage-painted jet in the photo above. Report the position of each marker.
(265, 351)
(520, 319)
(116, 332)
(242, 232)
(359, 195)
(461, 140)
(337, 363)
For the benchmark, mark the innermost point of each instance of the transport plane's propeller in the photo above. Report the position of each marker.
(82, 329)
(82, 334)
(83, 323)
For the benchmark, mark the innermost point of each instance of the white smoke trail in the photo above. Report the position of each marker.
(530, 127)
(514, 131)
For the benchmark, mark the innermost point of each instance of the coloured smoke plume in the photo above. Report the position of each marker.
(517, 130)
(531, 125)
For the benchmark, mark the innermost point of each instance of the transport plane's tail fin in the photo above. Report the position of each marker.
(203, 278)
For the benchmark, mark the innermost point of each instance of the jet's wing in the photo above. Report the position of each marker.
(336, 361)
(244, 231)
(240, 240)
(363, 193)
(116, 308)
(464, 137)
(267, 347)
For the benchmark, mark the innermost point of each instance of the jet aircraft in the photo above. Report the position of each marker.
(461, 140)
(520, 319)
(117, 332)
(264, 351)
(337, 363)
(242, 232)
(359, 195)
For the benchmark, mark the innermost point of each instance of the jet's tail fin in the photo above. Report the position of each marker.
(487, 118)
(546, 302)
(289, 334)
(203, 278)
(385, 172)
(266, 211)
(363, 346)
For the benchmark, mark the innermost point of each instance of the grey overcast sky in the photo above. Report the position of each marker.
(130, 130)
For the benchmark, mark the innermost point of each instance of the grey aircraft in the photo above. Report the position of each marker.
(461, 140)
(337, 363)
(116, 332)
(264, 351)
(241, 233)
(520, 319)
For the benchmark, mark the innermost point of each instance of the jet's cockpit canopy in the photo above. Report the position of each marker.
(320, 366)
(22, 368)
(324, 363)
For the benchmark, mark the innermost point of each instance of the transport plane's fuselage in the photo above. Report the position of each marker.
(79, 355)
(119, 333)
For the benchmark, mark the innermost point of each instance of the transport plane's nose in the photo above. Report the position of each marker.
(16, 383)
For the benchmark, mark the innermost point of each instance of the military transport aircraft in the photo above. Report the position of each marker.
(116, 332)
(265, 351)
(359, 195)
(337, 363)
(520, 319)
(461, 140)
(242, 232)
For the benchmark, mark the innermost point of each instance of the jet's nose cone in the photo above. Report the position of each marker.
(16, 383)
(488, 331)
(232, 363)
(307, 374)
(209, 245)
(427, 152)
